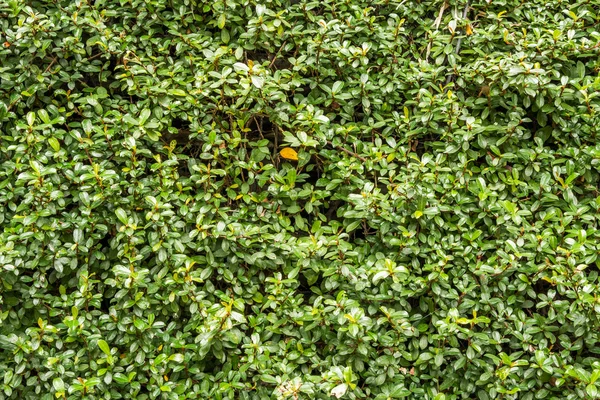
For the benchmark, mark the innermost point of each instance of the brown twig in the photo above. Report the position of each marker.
(459, 41)
(258, 126)
(436, 24)
(276, 54)
(51, 64)
(275, 147)
(347, 151)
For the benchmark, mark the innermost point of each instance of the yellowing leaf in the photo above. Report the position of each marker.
(221, 21)
(548, 280)
(469, 29)
(289, 154)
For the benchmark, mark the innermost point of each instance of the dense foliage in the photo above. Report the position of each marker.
(429, 230)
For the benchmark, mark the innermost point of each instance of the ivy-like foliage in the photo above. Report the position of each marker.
(297, 199)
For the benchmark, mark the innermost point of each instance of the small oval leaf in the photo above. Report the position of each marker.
(289, 154)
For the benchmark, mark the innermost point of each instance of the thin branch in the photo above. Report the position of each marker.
(464, 16)
(276, 54)
(275, 147)
(51, 64)
(258, 126)
(436, 23)
(459, 42)
(347, 151)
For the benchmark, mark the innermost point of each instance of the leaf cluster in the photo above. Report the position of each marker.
(297, 199)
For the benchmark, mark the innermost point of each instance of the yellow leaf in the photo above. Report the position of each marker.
(289, 154)
(469, 29)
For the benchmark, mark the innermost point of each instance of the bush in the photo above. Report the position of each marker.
(245, 199)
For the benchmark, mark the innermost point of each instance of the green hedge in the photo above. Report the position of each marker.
(435, 238)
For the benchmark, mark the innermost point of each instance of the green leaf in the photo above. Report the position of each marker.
(144, 115)
(580, 70)
(177, 92)
(54, 143)
(225, 37)
(43, 114)
(87, 126)
(122, 216)
(30, 118)
(120, 378)
(130, 120)
(257, 81)
(592, 390)
(339, 390)
(176, 357)
(104, 347)
(58, 384)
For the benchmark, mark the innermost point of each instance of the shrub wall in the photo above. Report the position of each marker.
(240, 199)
